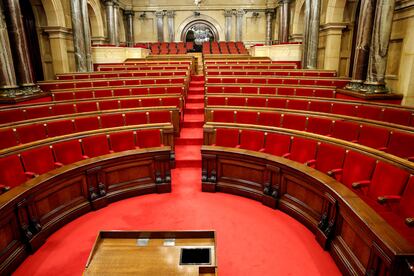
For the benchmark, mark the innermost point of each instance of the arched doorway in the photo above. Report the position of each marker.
(199, 31)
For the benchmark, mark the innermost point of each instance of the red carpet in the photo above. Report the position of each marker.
(251, 239)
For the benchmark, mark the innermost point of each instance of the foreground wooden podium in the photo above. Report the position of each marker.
(153, 253)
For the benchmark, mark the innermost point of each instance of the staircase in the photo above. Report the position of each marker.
(188, 145)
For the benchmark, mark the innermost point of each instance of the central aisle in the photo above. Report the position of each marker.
(251, 239)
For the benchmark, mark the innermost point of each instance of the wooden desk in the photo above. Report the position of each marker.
(148, 253)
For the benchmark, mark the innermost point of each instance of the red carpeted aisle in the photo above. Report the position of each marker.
(251, 239)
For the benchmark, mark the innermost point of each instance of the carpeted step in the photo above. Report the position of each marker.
(196, 90)
(197, 78)
(187, 156)
(195, 99)
(190, 136)
(196, 83)
(194, 108)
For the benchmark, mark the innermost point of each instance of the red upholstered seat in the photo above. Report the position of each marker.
(86, 123)
(269, 119)
(397, 116)
(160, 117)
(83, 95)
(303, 150)
(30, 133)
(369, 112)
(329, 157)
(402, 144)
(277, 144)
(216, 101)
(108, 105)
(374, 137)
(236, 101)
(150, 102)
(11, 172)
(38, 112)
(38, 160)
(256, 102)
(406, 206)
(149, 138)
(276, 103)
(252, 140)
(357, 167)
(112, 120)
(319, 125)
(297, 104)
(139, 91)
(171, 102)
(246, 117)
(227, 137)
(121, 141)
(293, 121)
(345, 130)
(226, 116)
(58, 128)
(63, 109)
(268, 90)
(344, 109)
(8, 138)
(320, 106)
(248, 90)
(68, 152)
(130, 103)
(95, 145)
(103, 93)
(86, 107)
(12, 115)
(121, 92)
(135, 118)
(63, 96)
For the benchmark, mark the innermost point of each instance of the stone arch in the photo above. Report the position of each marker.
(298, 18)
(335, 11)
(54, 13)
(95, 19)
(205, 18)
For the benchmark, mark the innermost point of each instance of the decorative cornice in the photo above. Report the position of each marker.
(403, 4)
(333, 26)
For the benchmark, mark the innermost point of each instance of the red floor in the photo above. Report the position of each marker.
(251, 239)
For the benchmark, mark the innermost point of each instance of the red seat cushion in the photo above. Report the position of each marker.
(236, 101)
(68, 152)
(345, 130)
(344, 109)
(112, 120)
(38, 112)
(293, 121)
(297, 104)
(370, 112)
(226, 116)
(319, 125)
(86, 107)
(108, 105)
(251, 139)
(397, 116)
(11, 171)
(246, 117)
(401, 144)
(374, 137)
(135, 118)
(63, 109)
(216, 101)
(58, 128)
(357, 167)
(269, 119)
(38, 160)
(30, 133)
(95, 145)
(7, 138)
(121, 141)
(256, 102)
(129, 103)
(86, 123)
(12, 115)
(227, 137)
(160, 117)
(319, 106)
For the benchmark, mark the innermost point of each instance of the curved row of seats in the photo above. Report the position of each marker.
(297, 72)
(250, 67)
(384, 185)
(36, 111)
(374, 111)
(143, 67)
(120, 91)
(72, 84)
(120, 74)
(392, 140)
(288, 80)
(19, 165)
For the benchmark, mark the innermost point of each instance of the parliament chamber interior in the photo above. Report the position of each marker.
(269, 137)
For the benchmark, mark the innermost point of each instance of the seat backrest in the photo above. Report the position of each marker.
(7, 138)
(345, 130)
(11, 171)
(226, 116)
(374, 137)
(38, 160)
(95, 145)
(406, 206)
(329, 157)
(246, 117)
(30, 133)
(251, 140)
(135, 118)
(86, 123)
(293, 121)
(401, 144)
(269, 119)
(357, 167)
(67, 152)
(227, 137)
(58, 128)
(121, 141)
(319, 125)
(387, 179)
(302, 149)
(277, 144)
(149, 138)
(112, 120)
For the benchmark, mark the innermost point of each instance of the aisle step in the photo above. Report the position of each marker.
(190, 136)
(195, 99)
(193, 120)
(194, 108)
(196, 83)
(187, 156)
(197, 78)
(196, 90)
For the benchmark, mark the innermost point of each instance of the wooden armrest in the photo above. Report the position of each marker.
(286, 155)
(409, 222)
(335, 172)
(360, 184)
(388, 199)
(310, 163)
(4, 188)
(382, 148)
(411, 158)
(262, 150)
(58, 164)
(30, 174)
(85, 156)
(111, 151)
(237, 147)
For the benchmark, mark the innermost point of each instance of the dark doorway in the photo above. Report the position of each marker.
(32, 39)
